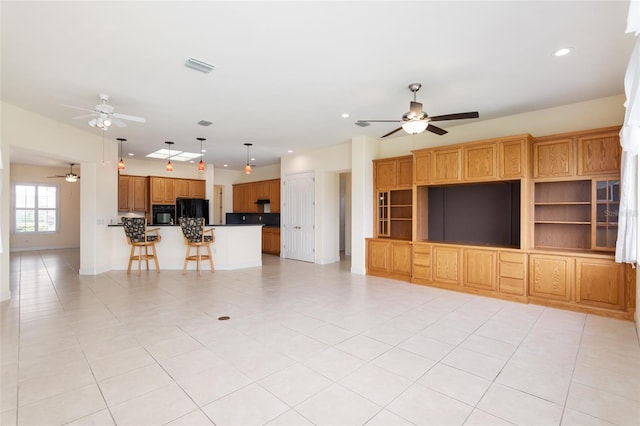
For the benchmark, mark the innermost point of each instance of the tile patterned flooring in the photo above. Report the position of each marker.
(306, 345)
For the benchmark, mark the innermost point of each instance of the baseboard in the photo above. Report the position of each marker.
(23, 249)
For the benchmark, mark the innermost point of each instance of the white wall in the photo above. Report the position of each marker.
(591, 114)
(42, 136)
(68, 234)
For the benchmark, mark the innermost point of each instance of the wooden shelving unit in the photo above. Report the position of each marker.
(562, 214)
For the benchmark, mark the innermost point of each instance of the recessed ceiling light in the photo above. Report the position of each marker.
(290, 151)
(131, 154)
(345, 115)
(253, 159)
(226, 165)
(563, 52)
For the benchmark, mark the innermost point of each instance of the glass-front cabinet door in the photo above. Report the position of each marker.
(607, 205)
(383, 214)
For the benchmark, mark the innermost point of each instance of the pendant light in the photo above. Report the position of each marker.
(201, 166)
(121, 162)
(247, 168)
(169, 165)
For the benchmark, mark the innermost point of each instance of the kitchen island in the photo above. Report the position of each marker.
(236, 247)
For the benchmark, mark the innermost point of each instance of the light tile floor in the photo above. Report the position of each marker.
(306, 344)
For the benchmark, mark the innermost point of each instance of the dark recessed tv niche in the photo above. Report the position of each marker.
(484, 213)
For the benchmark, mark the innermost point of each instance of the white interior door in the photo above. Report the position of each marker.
(298, 221)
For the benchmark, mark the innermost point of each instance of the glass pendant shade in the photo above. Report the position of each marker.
(121, 162)
(169, 166)
(414, 127)
(201, 166)
(247, 169)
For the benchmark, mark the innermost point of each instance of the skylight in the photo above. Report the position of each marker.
(175, 155)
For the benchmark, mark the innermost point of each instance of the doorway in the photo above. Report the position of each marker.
(298, 221)
(218, 207)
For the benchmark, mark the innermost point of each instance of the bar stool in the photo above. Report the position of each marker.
(195, 235)
(138, 236)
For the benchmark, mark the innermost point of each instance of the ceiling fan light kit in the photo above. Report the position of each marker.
(104, 115)
(416, 120)
(413, 127)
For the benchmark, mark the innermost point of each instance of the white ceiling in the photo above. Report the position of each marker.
(286, 71)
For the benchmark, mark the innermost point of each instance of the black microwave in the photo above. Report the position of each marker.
(163, 214)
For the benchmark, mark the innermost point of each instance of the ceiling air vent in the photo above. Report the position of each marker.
(362, 123)
(199, 65)
(205, 123)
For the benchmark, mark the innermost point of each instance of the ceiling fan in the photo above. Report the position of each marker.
(69, 177)
(416, 120)
(102, 115)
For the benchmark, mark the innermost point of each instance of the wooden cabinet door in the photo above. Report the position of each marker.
(169, 191)
(385, 172)
(267, 240)
(550, 277)
(512, 159)
(404, 178)
(276, 240)
(480, 162)
(600, 282)
(378, 256)
(139, 194)
(401, 259)
(553, 158)
(446, 265)
(422, 167)
(124, 183)
(238, 198)
(262, 190)
(447, 165)
(479, 269)
(181, 187)
(250, 198)
(274, 196)
(599, 154)
(197, 189)
(157, 185)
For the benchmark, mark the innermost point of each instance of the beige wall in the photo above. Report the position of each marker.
(68, 234)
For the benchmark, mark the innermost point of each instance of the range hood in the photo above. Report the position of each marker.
(263, 201)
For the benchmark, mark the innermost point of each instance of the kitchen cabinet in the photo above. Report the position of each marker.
(274, 195)
(181, 187)
(447, 165)
(245, 196)
(480, 162)
(197, 189)
(133, 193)
(271, 240)
(393, 173)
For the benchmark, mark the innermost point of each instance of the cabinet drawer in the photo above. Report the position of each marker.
(511, 257)
(422, 259)
(422, 272)
(511, 270)
(511, 286)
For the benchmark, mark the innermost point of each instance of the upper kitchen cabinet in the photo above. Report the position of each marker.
(133, 193)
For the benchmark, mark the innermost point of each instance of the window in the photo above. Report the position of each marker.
(36, 208)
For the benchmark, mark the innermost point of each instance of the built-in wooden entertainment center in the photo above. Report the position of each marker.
(519, 218)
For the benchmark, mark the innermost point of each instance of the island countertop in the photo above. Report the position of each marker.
(235, 247)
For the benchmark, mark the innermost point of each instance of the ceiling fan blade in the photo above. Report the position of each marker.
(119, 123)
(436, 130)
(415, 108)
(391, 132)
(129, 117)
(379, 121)
(458, 116)
(75, 107)
(78, 117)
